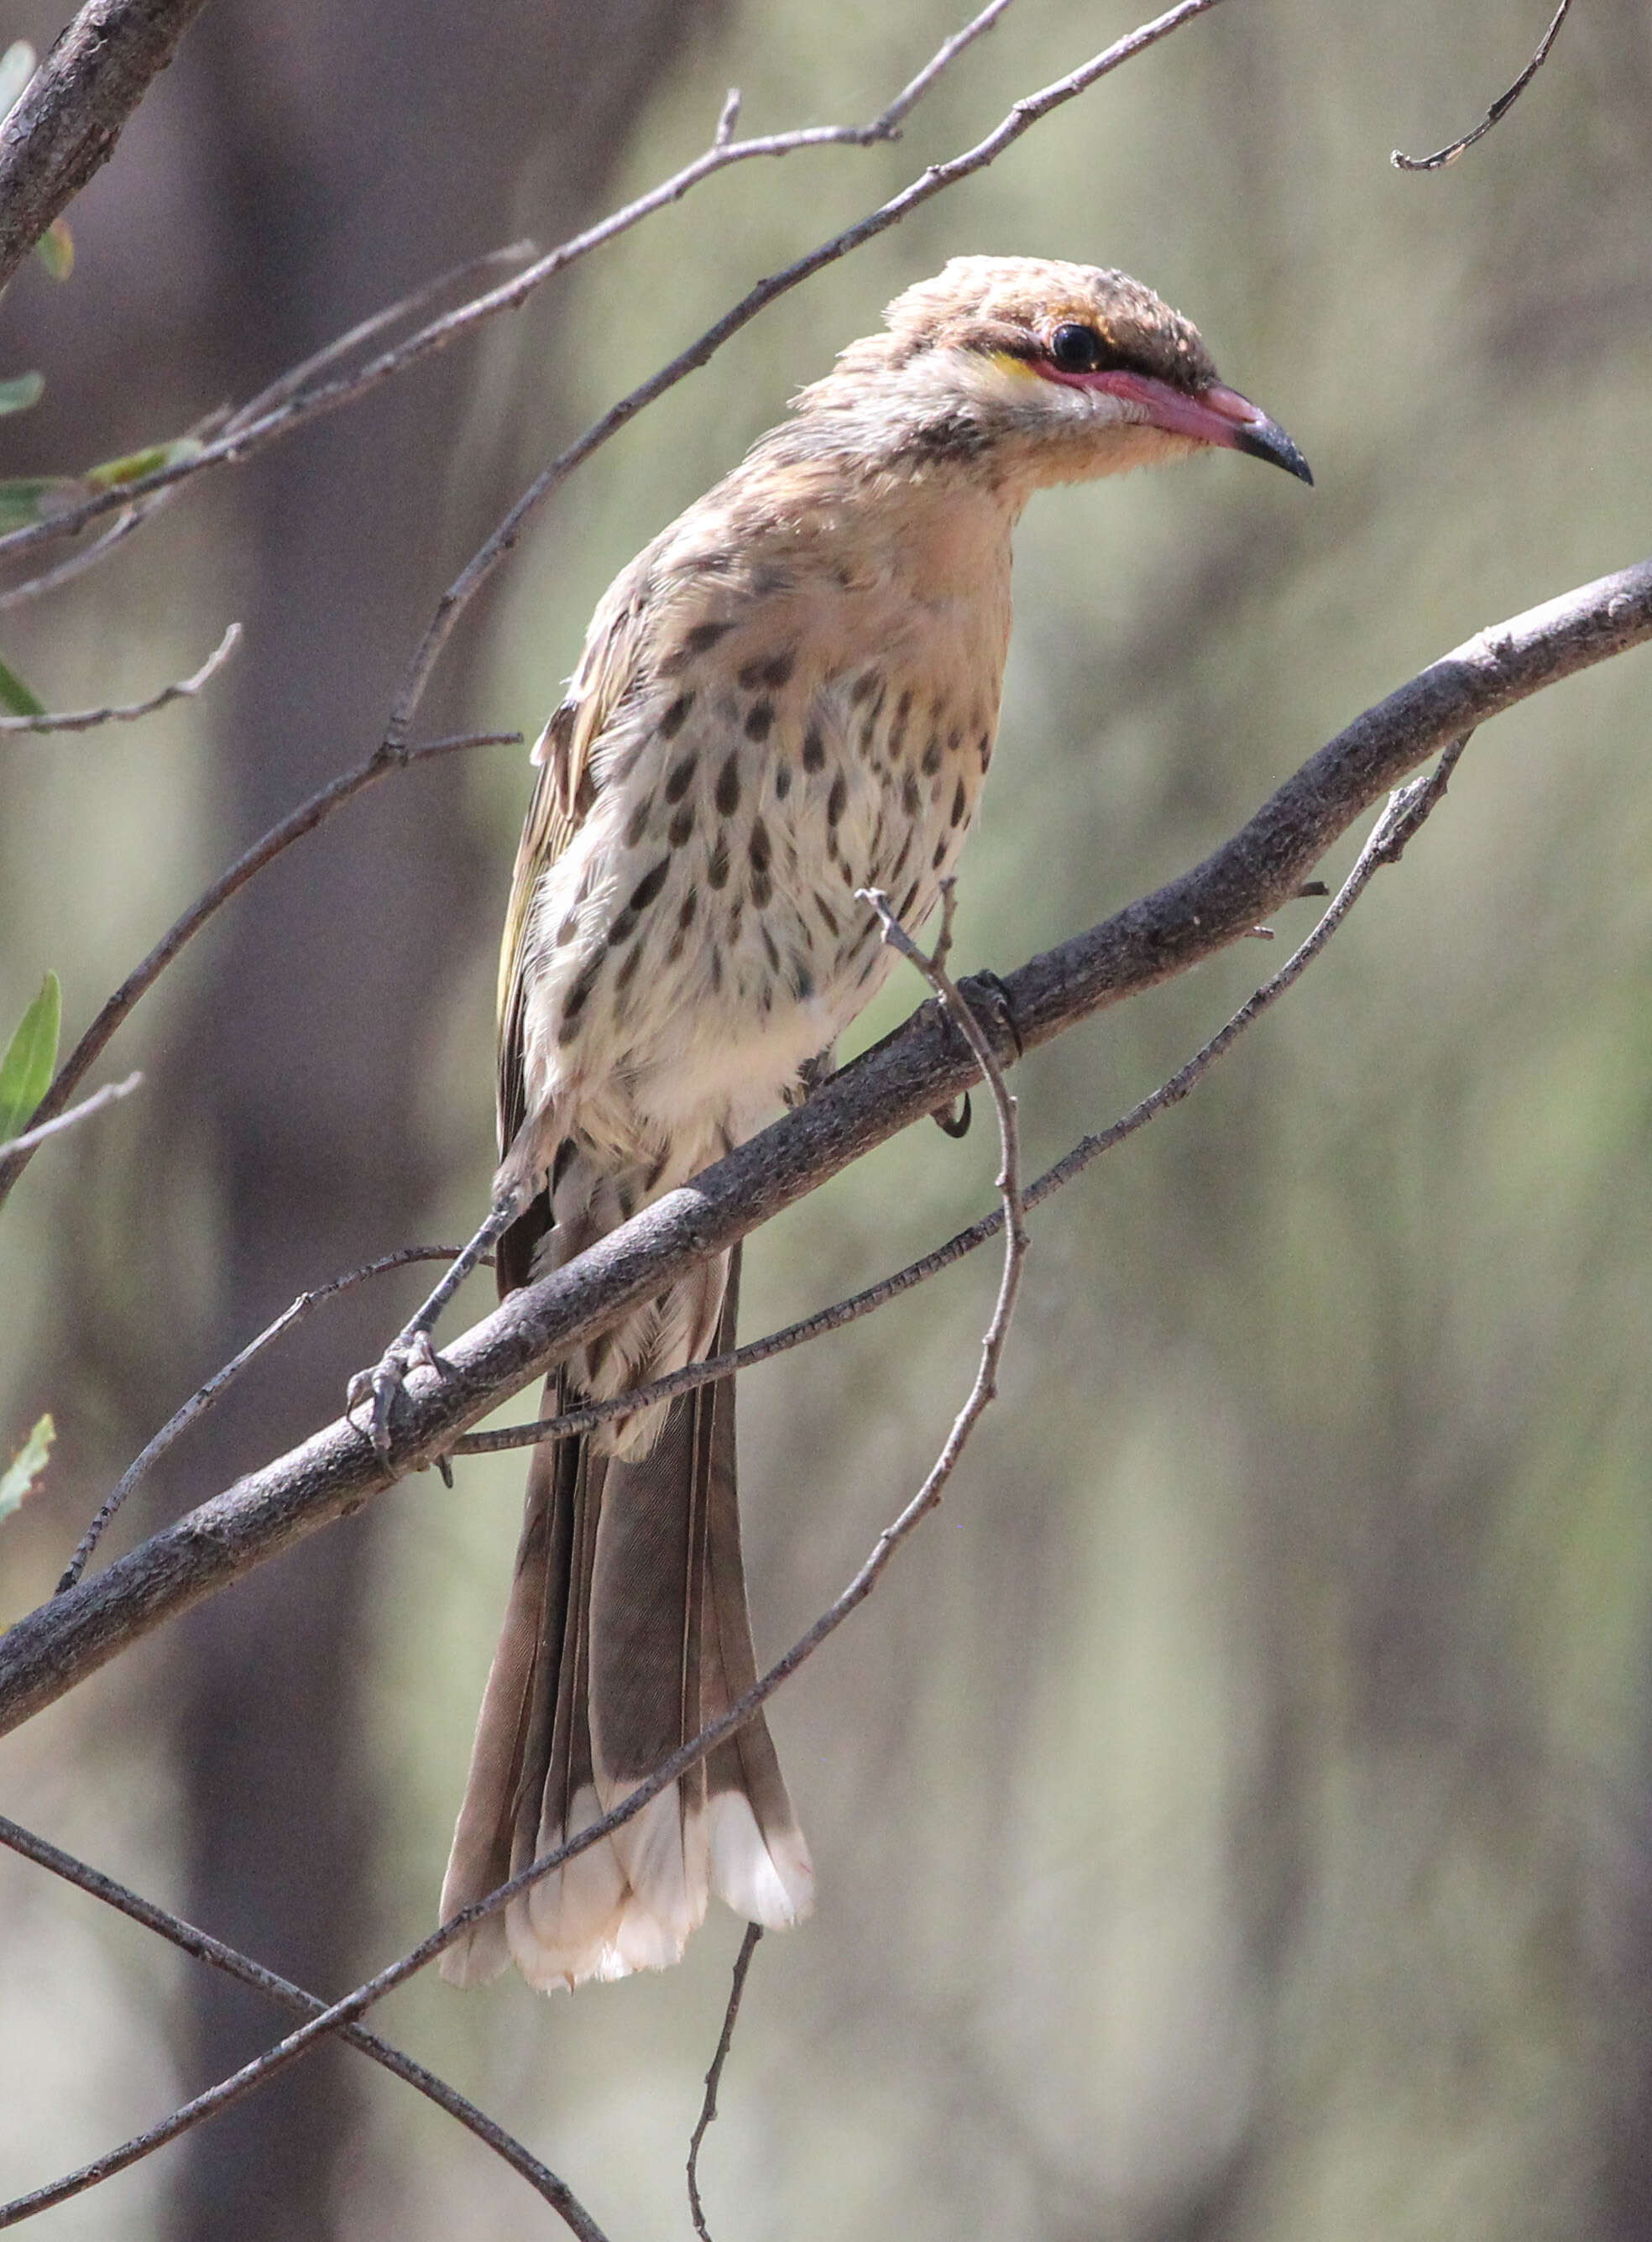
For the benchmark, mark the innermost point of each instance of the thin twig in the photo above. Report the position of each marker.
(205, 1948)
(287, 385)
(1499, 108)
(251, 2076)
(64, 572)
(887, 126)
(288, 411)
(725, 2041)
(203, 1398)
(87, 720)
(76, 1114)
(308, 815)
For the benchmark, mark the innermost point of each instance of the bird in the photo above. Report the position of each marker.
(789, 696)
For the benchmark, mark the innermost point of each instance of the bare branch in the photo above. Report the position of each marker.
(70, 113)
(725, 2041)
(1499, 108)
(203, 1398)
(85, 720)
(205, 1948)
(305, 818)
(71, 1119)
(253, 2075)
(285, 408)
(901, 1081)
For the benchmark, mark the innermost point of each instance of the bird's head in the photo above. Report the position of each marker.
(1035, 371)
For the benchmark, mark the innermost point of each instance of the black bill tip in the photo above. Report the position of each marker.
(1265, 439)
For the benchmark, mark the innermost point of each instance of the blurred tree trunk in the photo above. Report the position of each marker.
(321, 161)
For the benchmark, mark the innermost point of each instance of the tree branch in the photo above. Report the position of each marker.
(901, 1081)
(65, 125)
(111, 1092)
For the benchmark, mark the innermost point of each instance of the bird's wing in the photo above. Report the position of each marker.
(562, 799)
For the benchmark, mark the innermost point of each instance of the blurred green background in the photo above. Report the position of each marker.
(1233, 1817)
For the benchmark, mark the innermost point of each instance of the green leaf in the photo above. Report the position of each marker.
(55, 249)
(31, 1056)
(24, 499)
(16, 68)
(22, 390)
(16, 696)
(138, 464)
(17, 1479)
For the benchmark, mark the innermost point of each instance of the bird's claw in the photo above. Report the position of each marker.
(412, 1350)
(953, 1121)
(985, 992)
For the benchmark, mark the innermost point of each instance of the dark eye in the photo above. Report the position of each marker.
(1076, 349)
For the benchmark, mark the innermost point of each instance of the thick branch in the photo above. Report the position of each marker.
(904, 1079)
(71, 115)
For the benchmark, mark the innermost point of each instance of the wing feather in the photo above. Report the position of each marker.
(562, 801)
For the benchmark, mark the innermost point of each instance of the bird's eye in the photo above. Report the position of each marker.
(1076, 349)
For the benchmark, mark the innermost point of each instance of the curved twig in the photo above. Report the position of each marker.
(1499, 108)
(1387, 838)
(1024, 114)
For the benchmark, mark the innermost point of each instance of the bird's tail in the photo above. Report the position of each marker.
(626, 1632)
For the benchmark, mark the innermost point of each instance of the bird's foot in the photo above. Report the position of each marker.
(811, 1075)
(411, 1349)
(990, 999)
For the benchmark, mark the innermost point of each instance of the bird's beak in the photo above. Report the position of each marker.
(1214, 416)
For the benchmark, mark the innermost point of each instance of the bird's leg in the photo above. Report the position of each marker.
(411, 1348)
